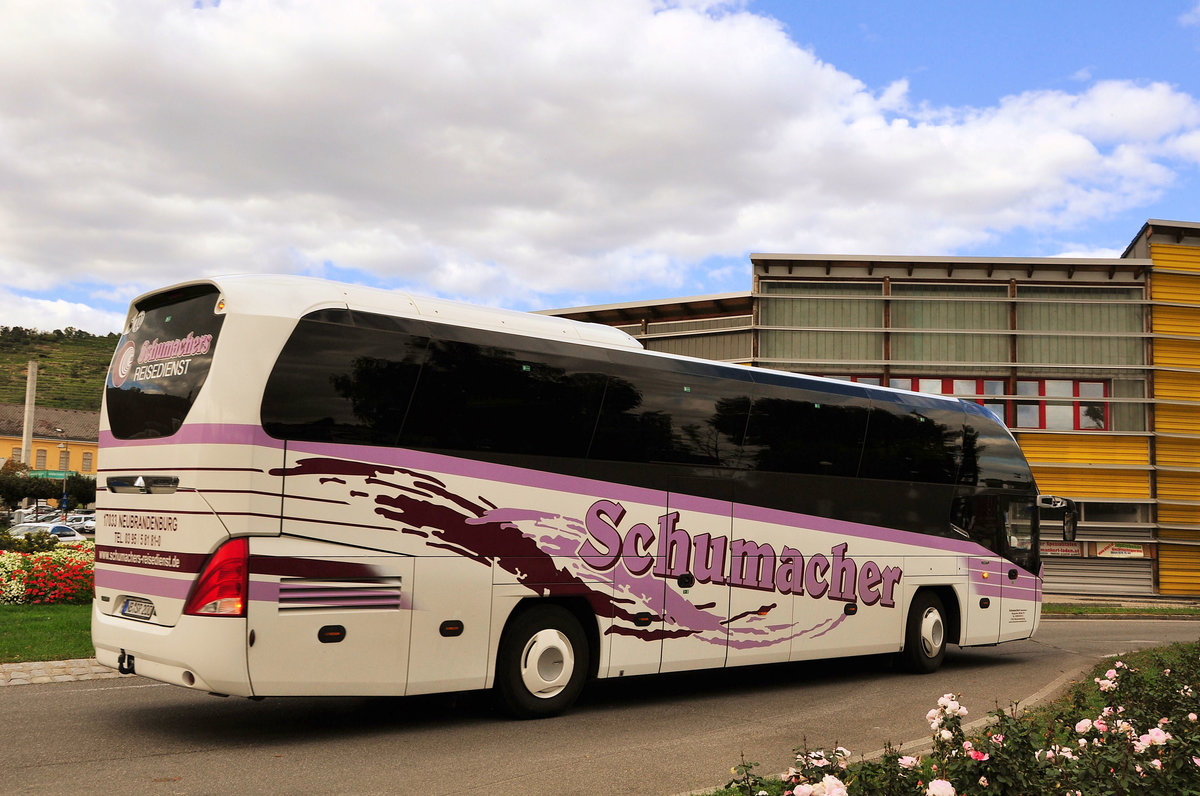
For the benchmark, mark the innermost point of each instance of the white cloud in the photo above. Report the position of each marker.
(48, 315)
(508, 151)
(1191, 17)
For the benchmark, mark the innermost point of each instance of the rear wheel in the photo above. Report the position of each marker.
(542, 662)
(925, 635)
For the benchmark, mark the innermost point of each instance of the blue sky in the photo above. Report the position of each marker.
(534, 153)
(974, 54)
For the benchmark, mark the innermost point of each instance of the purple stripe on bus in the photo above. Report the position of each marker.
(399, 457)
(149, 585)
(200, 434)
(264, 591)
(985, 590)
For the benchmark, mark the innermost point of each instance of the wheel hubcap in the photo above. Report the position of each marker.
(931, 632)
(547, 663)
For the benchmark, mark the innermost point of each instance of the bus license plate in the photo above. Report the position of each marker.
(136, 608)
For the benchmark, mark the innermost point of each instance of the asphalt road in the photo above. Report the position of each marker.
(665, 735)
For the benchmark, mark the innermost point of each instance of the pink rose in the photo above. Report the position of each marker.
(833, 786)
(940, 787)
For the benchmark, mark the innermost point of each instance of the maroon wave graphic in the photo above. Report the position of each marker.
(539, 549)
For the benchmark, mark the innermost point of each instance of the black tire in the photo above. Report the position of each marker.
(542, 662)
(925, 634)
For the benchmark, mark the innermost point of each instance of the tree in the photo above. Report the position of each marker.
(81, 491)
(14, 467)
(15, 487)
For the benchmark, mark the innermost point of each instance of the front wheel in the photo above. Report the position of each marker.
(542, 662)
(925, 634)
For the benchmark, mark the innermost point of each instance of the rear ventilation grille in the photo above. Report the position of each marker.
(307, 594)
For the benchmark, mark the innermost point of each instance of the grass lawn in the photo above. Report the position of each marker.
(45, 632)
(1060, 609)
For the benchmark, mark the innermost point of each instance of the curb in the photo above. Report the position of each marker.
(70, 671)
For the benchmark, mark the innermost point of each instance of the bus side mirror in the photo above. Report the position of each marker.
(1070, 513)
(1070, 524)
(1051, 502)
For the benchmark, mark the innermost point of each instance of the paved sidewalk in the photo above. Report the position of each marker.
(54, 672)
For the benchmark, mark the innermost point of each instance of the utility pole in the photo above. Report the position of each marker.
(30, 403)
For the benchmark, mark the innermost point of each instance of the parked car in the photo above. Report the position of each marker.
(84, 523)
(65, 533)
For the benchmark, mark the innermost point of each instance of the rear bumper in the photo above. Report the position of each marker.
(201, 653)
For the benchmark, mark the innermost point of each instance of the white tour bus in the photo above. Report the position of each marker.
(310, 488)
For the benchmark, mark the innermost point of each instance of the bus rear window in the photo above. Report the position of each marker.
(161, 362)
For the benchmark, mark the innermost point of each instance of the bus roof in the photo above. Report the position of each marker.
(294, 296)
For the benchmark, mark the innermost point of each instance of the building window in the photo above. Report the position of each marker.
(87, 461)
(64, 460)
(40, 463)
(16, 454)
(1062, 404)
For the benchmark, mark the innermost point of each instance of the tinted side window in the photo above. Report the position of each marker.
(913, 439)
(344, 377)
(678, 416)
(800, 431)
(503, 394)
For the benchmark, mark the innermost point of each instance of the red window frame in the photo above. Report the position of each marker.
(1008, 407)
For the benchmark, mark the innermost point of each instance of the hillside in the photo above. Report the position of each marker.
(71, 366)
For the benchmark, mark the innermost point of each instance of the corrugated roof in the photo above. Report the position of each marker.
(692, 307)
(76, 424)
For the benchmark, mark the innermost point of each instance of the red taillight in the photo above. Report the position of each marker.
(221, 588)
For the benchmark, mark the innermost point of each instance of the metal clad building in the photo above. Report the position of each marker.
(1093, 363)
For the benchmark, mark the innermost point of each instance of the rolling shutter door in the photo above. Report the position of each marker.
(1098, 576)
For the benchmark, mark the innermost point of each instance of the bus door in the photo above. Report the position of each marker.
(984, 601)
(1021, 595)
(697, 532)
(760, 617)
(980, 519)
(634, 639)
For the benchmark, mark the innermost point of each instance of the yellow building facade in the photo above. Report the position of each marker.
(1173, 294)
(63, 439)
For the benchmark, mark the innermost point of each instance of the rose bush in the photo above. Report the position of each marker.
(65, 574)
(1132, 728)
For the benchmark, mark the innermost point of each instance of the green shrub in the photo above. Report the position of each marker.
(36, 542)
